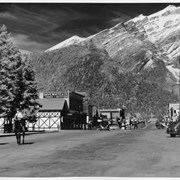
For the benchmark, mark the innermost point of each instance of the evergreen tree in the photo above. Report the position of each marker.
(17, 80)
(26, 93)
(10, 62)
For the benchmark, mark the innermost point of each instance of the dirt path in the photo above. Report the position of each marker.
(145, 152)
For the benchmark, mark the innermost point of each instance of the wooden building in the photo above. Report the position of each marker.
(174, 109)
(60, 110)
(50, 114)
(110, 113)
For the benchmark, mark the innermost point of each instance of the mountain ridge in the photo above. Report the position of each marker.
(140, 31)
(127, 52)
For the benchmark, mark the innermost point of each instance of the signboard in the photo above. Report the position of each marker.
(55, 95)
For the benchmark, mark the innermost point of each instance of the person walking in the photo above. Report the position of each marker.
(135, 123)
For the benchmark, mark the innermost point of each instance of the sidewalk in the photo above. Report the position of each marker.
(27, 133)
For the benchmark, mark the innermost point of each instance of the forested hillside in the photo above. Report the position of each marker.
(93, 71)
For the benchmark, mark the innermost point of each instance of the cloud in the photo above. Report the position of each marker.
(7, 15)
(38, 26)
(119, 16)
(32, 22)
(23, 42)
(42, 23)
(42, 26)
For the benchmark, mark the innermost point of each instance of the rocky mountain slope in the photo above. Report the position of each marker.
(146, 46)
(154, 37)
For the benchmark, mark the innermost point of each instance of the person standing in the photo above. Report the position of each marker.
(135, 123)
(122, 116)
(122, 112)
(130, 122)
(17, 125)
(18, 116)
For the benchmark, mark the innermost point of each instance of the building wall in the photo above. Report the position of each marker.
(174, 109)
(75, 102)
(111, 114)
(88, 109)
(108, 114)
(1, 124)
(46, 121)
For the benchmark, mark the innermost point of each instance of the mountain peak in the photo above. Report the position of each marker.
(71, 41)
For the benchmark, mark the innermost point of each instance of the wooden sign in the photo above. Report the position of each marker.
(55, 95)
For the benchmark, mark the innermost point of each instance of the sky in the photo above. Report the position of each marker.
(39, 26)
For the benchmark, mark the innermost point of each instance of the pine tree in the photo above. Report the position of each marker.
(9, 65)
(27, 90)
(17, 80)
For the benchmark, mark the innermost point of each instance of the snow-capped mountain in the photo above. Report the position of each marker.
(156, 37)
(71, 41)
(159, 28)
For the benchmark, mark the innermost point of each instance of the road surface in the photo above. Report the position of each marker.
(147, 152)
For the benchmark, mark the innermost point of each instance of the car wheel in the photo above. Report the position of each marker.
(172, 135)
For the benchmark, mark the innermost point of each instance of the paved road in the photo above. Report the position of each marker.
(147, 152)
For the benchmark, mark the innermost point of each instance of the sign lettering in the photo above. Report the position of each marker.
(56, 95)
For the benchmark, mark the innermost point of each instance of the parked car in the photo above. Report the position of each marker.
(174, 128)
(104, 126)
(160, 124)
(101, 128)
(113, 127)
(141, 123)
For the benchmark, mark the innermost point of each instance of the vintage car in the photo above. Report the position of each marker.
(103, 126)
(160, 123)
(113, 126)
(174, 128)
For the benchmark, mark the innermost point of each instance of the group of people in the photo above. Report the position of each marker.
(133, 123)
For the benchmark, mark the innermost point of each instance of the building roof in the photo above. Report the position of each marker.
(82, 94)
(52, 104)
